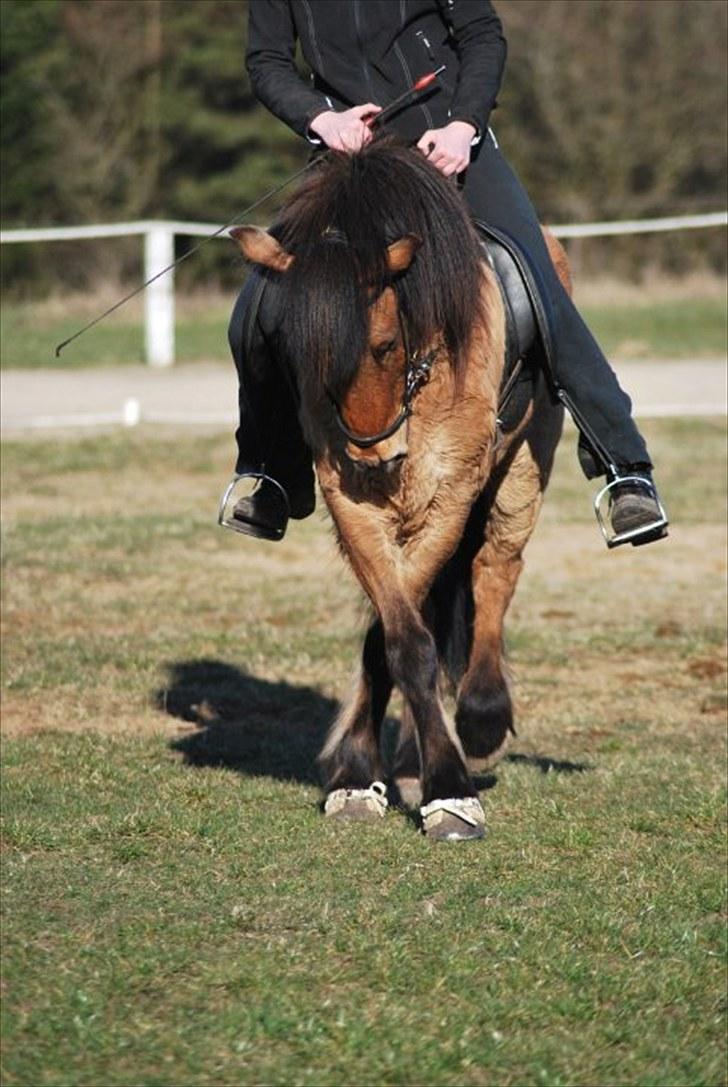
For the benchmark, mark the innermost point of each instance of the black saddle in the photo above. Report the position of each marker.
(528, 335)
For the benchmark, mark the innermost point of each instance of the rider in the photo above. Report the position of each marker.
(363, 54)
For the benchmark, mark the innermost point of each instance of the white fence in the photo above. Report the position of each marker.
(159, 254)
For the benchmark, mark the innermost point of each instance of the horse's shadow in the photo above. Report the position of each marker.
(253, 726)
(274, 729)
(547, 765)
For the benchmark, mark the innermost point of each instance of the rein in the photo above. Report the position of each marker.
(417, 374)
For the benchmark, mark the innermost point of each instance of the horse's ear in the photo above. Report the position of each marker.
(260, 247)
(401, 252)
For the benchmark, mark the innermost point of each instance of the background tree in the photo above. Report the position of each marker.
(617, 110)
(123, 109)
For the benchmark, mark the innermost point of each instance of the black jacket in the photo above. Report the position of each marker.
(371, 51)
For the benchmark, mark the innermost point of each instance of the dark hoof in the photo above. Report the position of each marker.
(484, 721)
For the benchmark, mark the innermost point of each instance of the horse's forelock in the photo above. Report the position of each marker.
(325, 319)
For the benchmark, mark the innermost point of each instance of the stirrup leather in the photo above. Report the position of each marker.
(229, 499)
(615, 539)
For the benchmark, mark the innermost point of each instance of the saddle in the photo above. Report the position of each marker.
(529, 353)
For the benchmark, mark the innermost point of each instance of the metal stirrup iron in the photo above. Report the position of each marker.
(226, 518)
(614, 539)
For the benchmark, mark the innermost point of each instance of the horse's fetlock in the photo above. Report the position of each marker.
(448, 779)
(350, 765)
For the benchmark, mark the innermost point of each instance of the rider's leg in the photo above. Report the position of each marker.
(269, 436)
(495, 195)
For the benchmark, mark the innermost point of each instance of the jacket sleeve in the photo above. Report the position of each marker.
(478, 37)
(271, 68)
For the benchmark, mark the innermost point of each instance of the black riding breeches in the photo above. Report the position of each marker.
(270, 435)
(495, 195)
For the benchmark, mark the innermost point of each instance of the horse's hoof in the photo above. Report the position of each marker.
(478, 764)
(358, 805)
(453, 820)
(410, 791)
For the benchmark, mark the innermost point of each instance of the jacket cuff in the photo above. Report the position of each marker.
(310, 118)
(480, 126)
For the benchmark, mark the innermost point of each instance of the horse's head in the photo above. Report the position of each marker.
(377, 261)
(372, 405)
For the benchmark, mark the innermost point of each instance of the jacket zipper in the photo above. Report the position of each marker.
(359, 42)
(312, 32)
(403, 62)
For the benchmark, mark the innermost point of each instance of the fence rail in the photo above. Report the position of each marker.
(159, 235)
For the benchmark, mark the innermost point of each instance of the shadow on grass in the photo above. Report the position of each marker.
(250, 725)
(550, 766)
(273, 729)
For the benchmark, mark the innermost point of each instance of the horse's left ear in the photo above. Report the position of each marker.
(260, 247)
(401, 252)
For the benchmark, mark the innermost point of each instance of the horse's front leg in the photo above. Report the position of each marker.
(484, 715)
(450, 805)
(398, 586)
(350, 760)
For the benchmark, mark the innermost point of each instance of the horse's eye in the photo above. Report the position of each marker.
(383, 349)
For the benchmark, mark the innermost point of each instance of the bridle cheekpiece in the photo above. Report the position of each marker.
(417, 374)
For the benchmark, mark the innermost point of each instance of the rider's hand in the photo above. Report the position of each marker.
(347, 131)
(448, 148)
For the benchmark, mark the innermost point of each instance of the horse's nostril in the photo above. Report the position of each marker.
(375, 463)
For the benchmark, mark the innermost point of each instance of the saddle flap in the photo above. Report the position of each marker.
(520, 322)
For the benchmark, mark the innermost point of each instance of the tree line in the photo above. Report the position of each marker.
(125, 109)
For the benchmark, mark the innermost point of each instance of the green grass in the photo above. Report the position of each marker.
(169, 926)
(29, 335)
(177, 911)
(678, 327)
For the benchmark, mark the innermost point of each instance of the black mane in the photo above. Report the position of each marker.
(339, 224)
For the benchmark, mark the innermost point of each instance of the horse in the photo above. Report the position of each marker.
(393, 329)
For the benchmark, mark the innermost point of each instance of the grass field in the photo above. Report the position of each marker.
(663, 320)
(177, 911)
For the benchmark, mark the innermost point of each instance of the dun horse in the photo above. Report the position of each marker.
(393, 326)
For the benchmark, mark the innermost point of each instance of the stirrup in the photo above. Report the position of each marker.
(227, 504)
(643, 534)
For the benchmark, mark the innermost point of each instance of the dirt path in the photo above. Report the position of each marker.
(207, 393)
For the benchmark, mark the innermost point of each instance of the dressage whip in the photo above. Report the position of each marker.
(189, 253)
(419, 85)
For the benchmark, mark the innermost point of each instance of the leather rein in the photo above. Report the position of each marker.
(417, 374)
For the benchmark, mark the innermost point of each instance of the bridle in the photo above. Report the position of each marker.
(417, 374)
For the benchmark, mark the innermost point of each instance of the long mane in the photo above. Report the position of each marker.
(338, 224)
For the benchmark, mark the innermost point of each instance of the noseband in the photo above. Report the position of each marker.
(417, 374)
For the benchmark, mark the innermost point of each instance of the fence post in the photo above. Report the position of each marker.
(159, 296)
